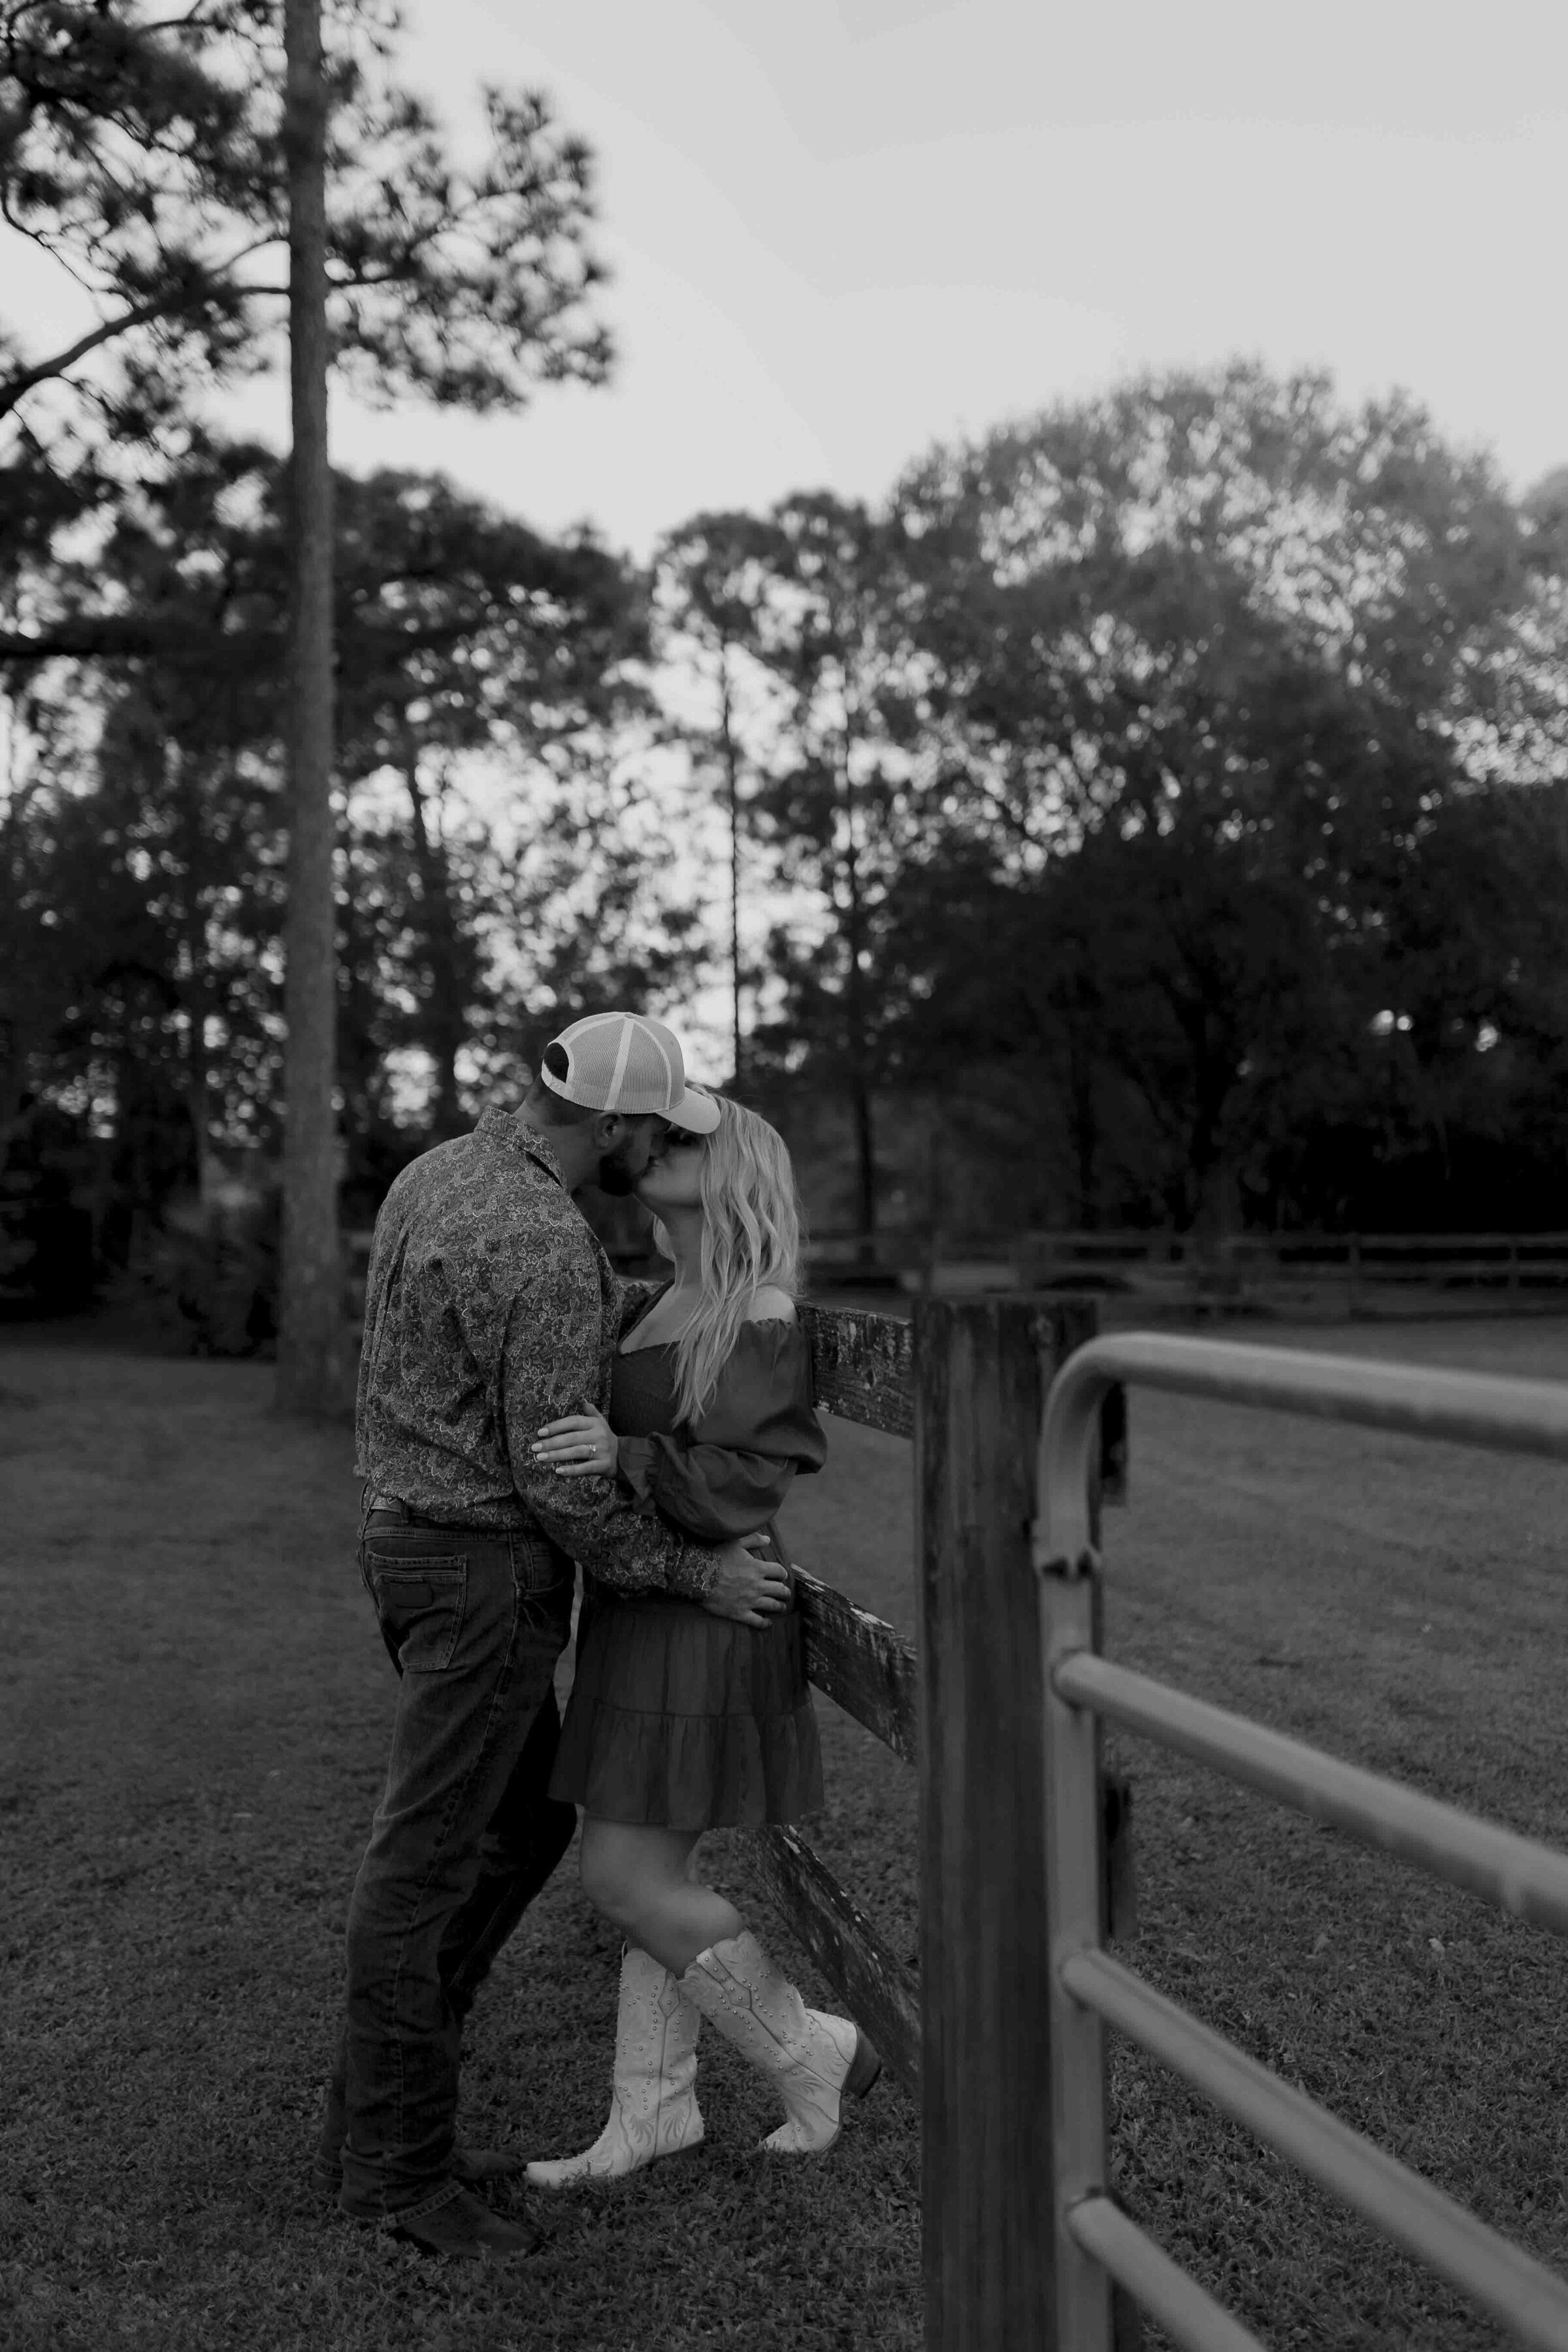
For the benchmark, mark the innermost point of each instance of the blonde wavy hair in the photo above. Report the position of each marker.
(751, 1236)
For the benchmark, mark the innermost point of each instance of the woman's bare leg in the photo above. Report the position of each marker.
(638, 1875)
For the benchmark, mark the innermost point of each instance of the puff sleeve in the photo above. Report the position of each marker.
(726, 1474)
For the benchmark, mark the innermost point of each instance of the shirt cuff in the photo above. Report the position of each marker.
(634, 1461)
(693, 1574)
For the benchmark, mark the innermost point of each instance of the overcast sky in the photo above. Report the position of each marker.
(840, 231)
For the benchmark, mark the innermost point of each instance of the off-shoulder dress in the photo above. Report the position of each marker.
(678, 1716)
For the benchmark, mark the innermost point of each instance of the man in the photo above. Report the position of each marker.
(489, 1309)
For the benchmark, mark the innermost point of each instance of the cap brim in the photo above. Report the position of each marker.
(695, 1114)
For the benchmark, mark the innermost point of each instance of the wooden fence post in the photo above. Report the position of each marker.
(982, 1370)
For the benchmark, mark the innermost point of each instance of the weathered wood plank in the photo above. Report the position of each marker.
(1121, 1898)
(984, 1368)
(870, 1670)
(864, 1664)
(1113, 1445)
(862, 1367)
(880, 1994)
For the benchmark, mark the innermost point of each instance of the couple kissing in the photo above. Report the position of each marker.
(521, 1411)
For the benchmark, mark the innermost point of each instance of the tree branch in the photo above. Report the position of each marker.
(16, 387)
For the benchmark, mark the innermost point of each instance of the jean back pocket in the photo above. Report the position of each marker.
(421, 1605)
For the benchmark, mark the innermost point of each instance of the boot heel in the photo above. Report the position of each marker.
(865, 2066)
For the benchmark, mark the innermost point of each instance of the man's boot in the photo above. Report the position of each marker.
(472, 2168)
(462, 2228)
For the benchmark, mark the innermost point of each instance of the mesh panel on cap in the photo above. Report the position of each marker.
(622, 1062)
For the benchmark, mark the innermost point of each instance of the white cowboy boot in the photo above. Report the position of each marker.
(653, 2108)
(811, 2057)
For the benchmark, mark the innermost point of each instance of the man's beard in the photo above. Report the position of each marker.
(615, 1177)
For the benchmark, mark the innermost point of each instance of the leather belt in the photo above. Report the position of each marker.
(394, 1507)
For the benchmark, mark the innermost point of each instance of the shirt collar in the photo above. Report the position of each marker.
(502, 1128)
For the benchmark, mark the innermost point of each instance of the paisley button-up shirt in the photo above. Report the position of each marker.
(491, 1307)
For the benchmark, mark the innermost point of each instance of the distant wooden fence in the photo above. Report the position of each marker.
(1350, 1274)
(1356, 1273)
(968, 2035)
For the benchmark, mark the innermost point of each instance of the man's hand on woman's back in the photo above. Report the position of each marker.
(746, 1589)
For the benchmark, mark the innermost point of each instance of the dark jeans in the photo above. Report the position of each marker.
(464, 1837)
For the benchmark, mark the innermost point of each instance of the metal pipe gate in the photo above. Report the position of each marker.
(1094, 2241)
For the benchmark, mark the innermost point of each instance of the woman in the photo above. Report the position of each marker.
(680, 1720)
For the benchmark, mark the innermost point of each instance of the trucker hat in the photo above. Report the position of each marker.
(629, 1062)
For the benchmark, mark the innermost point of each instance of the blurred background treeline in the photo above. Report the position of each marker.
(1152, 814)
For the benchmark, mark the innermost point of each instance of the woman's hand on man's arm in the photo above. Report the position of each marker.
(581, 1446)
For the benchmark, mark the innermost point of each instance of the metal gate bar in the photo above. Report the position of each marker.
(1488, 1408)
(1510, 1871)
(1087, 1990)
(1186, 2311)
(1509, 2283)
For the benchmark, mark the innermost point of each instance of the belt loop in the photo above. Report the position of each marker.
(392, 1505)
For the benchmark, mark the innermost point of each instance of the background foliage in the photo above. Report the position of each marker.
(1155, 812)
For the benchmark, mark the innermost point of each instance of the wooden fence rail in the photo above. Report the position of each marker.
(1353, 1274)
(964, 1708)
(1353, 1271)
(1023, 1844)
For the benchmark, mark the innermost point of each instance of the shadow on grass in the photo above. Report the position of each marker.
(193, 1744)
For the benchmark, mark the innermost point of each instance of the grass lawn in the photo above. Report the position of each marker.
(194, 1743)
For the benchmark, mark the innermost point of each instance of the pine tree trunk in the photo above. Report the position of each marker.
(310, 1307)
(733, 789)
(856, 1027)
(444, 1026)
(1082, 1096)
(195, 987)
